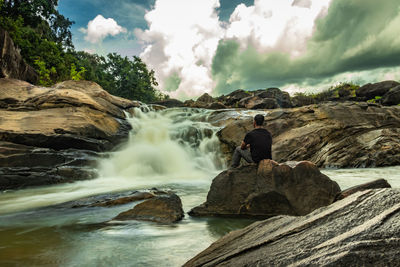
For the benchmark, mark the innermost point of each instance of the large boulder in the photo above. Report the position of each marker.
(295, 188)
(370, 90)
(23, 166)
(42, 130)
(12, 65)
(392, 97)
(281, 97)
(347, 134)
(165, 208)
(170, 103)
(234, 97)
(300, 100)
(362, 229)
(205, 98)
(256, 102)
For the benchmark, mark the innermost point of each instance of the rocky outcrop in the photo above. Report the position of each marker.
(331, 134)
(295, 188)
(372, 90)
(260, 99)
(165, 208)
(12, 65)
(52, 135)
(362, 229)
(169, 103)
(392, 97)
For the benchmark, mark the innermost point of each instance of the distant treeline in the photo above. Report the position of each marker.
(44, 38)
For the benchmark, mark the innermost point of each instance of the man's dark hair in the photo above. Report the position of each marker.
(259, 119)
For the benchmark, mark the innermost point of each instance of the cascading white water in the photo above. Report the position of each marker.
(167, 147)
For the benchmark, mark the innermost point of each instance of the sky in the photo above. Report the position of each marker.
(218, 46)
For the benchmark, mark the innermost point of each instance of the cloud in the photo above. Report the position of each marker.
(285, 43)
(180, 43)
(350, 39)
(100, 27)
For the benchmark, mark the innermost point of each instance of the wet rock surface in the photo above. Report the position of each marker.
(54, 135)
(164, 208)
(270, 189)
(341, 135)
(108, 200)
(362, 229)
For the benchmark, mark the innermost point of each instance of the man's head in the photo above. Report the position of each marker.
(258, 120)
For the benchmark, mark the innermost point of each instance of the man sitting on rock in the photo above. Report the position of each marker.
(259, 140)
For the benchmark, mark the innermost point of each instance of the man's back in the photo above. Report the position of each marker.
(260, 141)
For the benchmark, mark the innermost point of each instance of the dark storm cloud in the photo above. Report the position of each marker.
(354, 36)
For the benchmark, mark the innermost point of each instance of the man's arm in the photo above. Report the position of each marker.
(244, 146)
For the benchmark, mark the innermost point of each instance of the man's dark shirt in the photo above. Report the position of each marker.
(260, 141)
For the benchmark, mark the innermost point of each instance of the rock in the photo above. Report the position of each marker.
(256, 102)
(266, 103)
(170, 103)
(380, 183)
(233, 98)
(353, 231)
(392, 97)
(369, 91)
(272, 189)
(156, 107)
(205, 98)
(124, 200)
(282, 98)
(51, 135)
(302, 100)
(12, 65)
(341, 135)
(216, 105)
(162, 209)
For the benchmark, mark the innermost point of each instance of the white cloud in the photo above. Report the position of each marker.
(271, 25)
(182, 39)
(100, 27)
(183, 36)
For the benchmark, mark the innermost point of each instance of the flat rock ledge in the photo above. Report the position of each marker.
(291, 188)
(51, 135)
(165, 208)
(360, 230)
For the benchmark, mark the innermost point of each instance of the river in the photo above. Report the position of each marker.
(174, 149)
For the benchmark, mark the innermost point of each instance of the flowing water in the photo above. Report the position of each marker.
(174, 149)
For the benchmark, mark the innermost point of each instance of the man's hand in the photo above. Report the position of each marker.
(244, 146)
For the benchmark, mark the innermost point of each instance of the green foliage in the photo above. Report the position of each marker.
(338, 91)
(375, 100)
(45, 42)
(121, 76)
(41, 15)
(75, 75)
(44, 73)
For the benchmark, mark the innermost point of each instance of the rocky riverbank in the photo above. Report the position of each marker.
(386, 93)
(352, 231)
(340, 135)
(54, 135)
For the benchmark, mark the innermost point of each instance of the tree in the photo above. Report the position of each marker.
(45, 41)
(41, 15)
(121, 76)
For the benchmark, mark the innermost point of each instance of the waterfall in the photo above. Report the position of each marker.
(173, 146)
